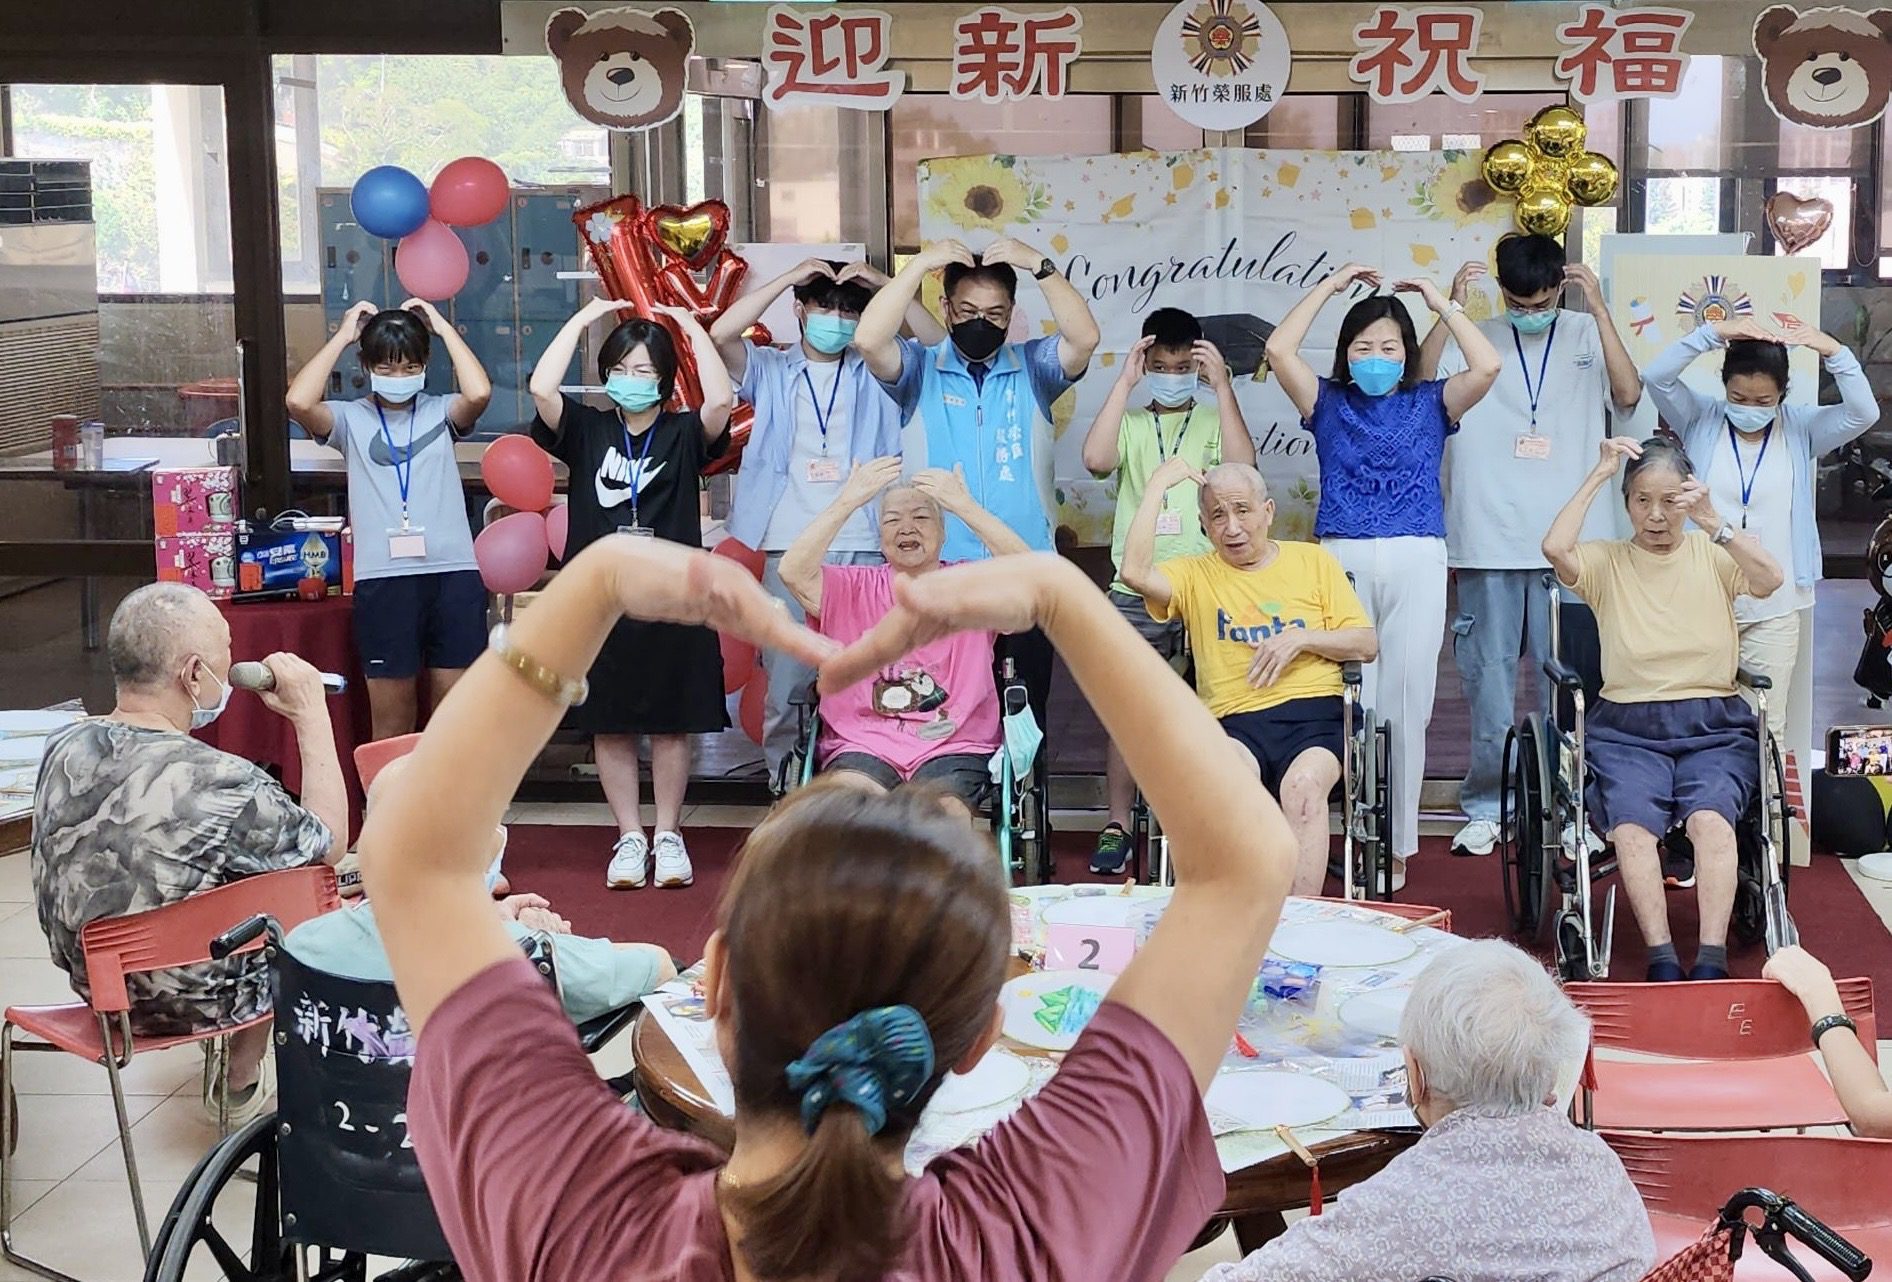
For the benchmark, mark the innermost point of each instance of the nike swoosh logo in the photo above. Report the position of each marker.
(614, 477)
(378, 447)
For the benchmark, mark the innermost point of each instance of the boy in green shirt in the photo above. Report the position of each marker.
(1172, 361)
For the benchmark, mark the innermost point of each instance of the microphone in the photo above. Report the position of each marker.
(257, 676)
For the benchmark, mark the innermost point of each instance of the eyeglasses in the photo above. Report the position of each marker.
(1000, 316)
(1531, 309)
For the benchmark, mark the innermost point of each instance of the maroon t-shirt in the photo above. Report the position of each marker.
(540, 1173)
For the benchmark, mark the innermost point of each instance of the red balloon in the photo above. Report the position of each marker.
(610, 230)
(431, 263)
(742, 554)
(739, 662)
(469, 192)
(755, 698)
(741, 419)
(512, 553)
(558, 524)
(518, 473)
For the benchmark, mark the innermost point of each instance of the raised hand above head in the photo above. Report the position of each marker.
(1210, 363)
(1610, 453)
(865, 480)
(1464, 278)
(1134, 360)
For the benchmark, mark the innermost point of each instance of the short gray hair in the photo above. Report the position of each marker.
(151, 632)
(1242, 474)
(907, 487)
(1490, 1029)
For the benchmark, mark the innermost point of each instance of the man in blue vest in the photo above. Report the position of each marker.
(983, 403)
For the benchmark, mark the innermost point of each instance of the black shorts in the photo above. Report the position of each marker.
(414, 621)
(963, 774)
(1277, 735)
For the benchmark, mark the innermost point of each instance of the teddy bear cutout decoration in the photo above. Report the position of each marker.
(622, 68)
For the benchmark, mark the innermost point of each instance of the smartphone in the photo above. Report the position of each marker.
(1859, 750)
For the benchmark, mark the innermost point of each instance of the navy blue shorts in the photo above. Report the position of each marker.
(1277, 735)
(414, 621)
(1655, 764)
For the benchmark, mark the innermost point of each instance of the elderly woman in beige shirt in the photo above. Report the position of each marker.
(1501, 1186)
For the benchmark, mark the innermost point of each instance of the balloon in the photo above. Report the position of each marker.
(558, 524)
(1798, 221)
(1543, 211)
(389, 202)
(741, 419)
(431, 263)
(739, 660)
(610, 231)
(1593, 179)
(469, 192)
(518, 473)
(755, 698)
(512, 553)
(1507, 165)
(694, 235)
(1557, 131)
(742, 554)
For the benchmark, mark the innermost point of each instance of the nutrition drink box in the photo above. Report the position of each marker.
(193, 500)
(288, 563)
(207, 562)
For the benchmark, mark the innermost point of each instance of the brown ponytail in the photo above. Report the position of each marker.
(846, 901)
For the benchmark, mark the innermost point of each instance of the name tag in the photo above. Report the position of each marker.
(1107, 949)
(407, 544)
(950, 399)
(638, 531)
(823, 471)
(1531, 447)
(1168, 523)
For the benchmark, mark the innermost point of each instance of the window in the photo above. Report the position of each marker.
(1314, 122)
(1822, 163)
(1439, 123)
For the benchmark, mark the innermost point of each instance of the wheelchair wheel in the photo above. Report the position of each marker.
(1374, 817)
(208, 1207)
(1525, 791)
(1767, 822)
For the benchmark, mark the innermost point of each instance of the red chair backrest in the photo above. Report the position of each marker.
(1713, 1019)
(179, 934)
(372, 758)
(1411, 912)
(1842, 1181)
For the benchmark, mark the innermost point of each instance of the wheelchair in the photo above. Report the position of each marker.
(1548, 868)
(334, 1175)
(1365, 864)
(1016, 805)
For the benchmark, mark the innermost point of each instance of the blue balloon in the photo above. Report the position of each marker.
(388, 201)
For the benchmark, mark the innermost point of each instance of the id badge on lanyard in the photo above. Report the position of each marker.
(407, 541)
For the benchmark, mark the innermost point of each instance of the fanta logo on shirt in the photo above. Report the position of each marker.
(1226, 629)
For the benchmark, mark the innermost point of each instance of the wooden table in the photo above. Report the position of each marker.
(1258, 1196)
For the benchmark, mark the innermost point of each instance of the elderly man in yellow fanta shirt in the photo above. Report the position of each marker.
(1270, 624)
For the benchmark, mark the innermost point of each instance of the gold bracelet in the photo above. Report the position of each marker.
(561, 690)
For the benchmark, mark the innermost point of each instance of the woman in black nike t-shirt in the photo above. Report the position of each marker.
(634, 468)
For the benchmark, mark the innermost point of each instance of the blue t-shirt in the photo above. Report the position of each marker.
(1379, 461)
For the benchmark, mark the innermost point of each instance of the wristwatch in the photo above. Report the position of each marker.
(1724, 535)
(1045, 268)
(1827, 1023)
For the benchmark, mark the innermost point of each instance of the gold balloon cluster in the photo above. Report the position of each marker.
(1549, 171)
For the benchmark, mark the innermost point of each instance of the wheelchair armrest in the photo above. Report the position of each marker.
(1350, 673)
(1565, 677)
(1753, 680)
(595, 1032)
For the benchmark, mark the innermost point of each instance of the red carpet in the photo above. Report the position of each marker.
(566, 865)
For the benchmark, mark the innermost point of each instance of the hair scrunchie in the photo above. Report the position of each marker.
(876, 1060)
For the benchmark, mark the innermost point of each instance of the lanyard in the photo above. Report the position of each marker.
(814, 403)
(637, 467)
(403, 462)
(1748, 482)
(1162, 451)
(1536, 393)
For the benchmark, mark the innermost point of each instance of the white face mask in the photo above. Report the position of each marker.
(396, 388)
(200, 716)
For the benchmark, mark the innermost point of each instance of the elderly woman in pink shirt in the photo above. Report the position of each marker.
(1502, 1186)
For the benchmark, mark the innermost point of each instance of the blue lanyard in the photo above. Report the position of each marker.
(637, 468)
(1748, 482)
(1162, 452)
(1534, 393)
(822, 416)
(403, 463)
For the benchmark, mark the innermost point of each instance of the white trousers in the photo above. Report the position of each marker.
(1401, 582)
(1771, 648)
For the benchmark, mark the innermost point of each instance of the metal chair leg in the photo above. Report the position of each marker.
(131, 1157)
(7, 1249)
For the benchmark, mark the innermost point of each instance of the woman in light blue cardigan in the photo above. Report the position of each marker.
(1758, 457)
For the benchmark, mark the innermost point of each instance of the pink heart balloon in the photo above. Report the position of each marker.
(1798, 221)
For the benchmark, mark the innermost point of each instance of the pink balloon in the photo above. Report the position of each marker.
(755, 697)
(432, 262)
(469, 192)
(518, 473)
(512, 553)
(742, 554)
(558, 524)
(739, 660)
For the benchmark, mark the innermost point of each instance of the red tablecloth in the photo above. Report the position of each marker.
(322, 632)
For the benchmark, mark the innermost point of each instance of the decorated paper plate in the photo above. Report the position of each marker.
(33, 723)
(1376, 1013)
(994, 1082)
(1048, 1009)
(15, 752)
(1878, 866)
(1098, 910)
(1340, 943)
(1264, 1099)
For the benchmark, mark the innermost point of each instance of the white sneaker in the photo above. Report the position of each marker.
(1399, 875)
(252, 1100)
(1569, 839)
(1479, 837)
(673, 861)
(629, 859)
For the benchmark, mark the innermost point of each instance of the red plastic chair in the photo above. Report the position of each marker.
(100, 1031)
(1702, 1029)
(372, 758)
(1684, 1179)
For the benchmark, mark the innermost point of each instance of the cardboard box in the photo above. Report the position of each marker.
(275, 563)
(207, 562)
(193, 500)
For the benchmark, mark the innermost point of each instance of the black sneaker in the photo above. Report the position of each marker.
(1678, 871)
(1113, 851)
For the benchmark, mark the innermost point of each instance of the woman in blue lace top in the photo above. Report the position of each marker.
(1379, 432)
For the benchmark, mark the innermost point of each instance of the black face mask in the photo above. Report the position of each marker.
(977, 338)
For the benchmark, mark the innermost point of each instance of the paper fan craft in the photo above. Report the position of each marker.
(1049, 1010)
(1715, 299)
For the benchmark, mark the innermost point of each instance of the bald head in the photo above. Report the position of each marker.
(158, 627)
(1234, 478)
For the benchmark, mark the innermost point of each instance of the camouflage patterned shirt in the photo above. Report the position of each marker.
(127, 819)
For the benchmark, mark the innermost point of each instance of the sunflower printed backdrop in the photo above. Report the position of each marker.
(1235, 237)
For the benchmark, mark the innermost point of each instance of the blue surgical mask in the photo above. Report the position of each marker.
(1531, 322)
(632, 391)
(1172, 390)
(1376, 376)
(201, 717)
(1751, 418)
(395, 388)
(828, 333)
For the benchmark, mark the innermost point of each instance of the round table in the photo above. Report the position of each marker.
(1257, 1195)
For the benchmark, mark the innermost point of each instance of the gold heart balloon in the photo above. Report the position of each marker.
(685, 236)
(1549, 171)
